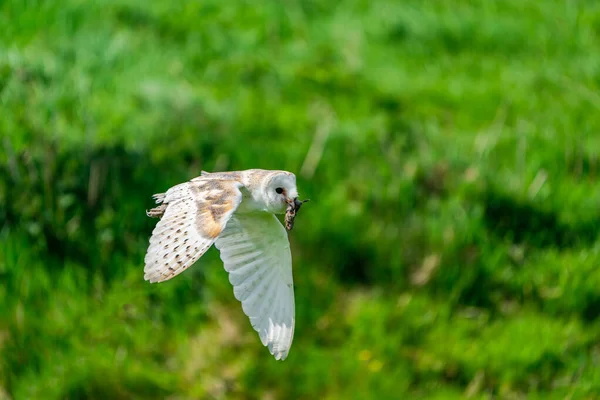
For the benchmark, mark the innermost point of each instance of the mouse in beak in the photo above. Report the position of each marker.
(290, 214)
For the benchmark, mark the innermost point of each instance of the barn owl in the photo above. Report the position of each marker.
(235, 212)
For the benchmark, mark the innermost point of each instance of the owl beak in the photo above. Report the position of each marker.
(296, 204)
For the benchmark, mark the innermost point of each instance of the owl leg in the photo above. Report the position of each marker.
(157, 212)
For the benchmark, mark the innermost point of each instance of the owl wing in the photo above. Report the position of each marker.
(256, 253)
(193, 215)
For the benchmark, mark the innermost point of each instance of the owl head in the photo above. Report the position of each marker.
(279, 191)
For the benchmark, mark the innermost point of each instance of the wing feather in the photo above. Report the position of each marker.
(256, 253)
(196, 213)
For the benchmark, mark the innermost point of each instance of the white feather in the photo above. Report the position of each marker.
(256, 253)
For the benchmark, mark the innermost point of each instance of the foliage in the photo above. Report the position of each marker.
(450, 149)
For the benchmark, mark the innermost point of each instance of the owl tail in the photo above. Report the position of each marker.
(159, 197)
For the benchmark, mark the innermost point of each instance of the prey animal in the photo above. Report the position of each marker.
(235, 211)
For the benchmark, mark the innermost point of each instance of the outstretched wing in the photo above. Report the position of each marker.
(256, 253)
(196, 212)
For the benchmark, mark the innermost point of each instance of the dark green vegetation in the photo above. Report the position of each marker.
(450, 148)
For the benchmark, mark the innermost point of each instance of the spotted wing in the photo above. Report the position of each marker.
(256, 253)
(196, 212)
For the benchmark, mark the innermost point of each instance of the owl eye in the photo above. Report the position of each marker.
(279, 190)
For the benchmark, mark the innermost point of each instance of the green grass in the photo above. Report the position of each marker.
(450, 149)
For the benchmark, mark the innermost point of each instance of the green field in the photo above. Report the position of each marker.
(451, 150)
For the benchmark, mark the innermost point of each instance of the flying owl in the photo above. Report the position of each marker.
(235, 212)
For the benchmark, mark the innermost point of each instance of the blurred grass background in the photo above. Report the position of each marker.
(450, 148)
